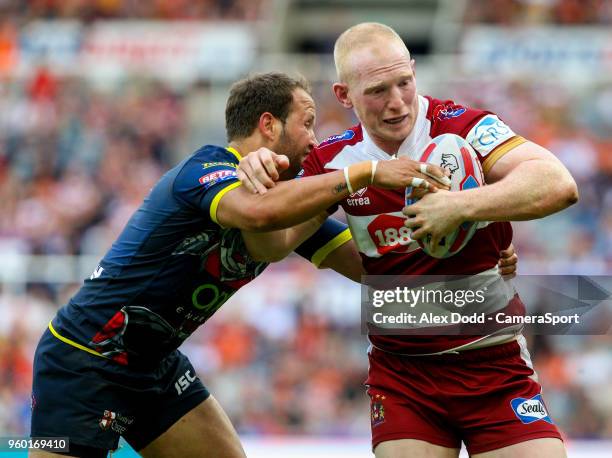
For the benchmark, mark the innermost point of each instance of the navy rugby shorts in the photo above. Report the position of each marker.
(93, 400)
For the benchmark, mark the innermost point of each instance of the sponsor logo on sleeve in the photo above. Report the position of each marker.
(206, 165)
(530, 410)
(216, 177)
(346, 135)
(488, 134)
(444, 112)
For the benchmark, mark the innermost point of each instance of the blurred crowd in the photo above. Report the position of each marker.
(90, 10)
(533, 12)
(75, 161)
(74, 164)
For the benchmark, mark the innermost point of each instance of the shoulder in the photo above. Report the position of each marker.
(331, 147)
(446, 117)
(206, 167)
(215, 156)
(482, 129)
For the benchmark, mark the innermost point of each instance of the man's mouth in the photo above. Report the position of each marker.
(396, 120)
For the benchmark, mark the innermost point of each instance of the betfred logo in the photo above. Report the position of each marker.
(216, 175)
(530, 410)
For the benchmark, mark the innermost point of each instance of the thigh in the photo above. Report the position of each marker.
(68, 401)
(536, 448)
(204, 431)
(504, 405)
(410, 448)
(405, 403)
(173, 392)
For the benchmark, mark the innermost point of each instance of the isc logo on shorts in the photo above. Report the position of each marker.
(183, 382)
(530, 410)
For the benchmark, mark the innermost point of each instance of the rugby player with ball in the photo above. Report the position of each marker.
(430, 393)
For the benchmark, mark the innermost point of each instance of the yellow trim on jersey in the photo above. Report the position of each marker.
(234, 152)
(319, 256)
(215, 202)
(501, 150)
(73, 343)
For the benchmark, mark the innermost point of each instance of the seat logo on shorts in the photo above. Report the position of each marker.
(530, 410)
(377, 413)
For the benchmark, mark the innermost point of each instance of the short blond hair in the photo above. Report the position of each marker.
(356, 37)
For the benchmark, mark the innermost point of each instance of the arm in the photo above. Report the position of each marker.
(292, 202)
(345, 260)
(277, 245)
(528, 182)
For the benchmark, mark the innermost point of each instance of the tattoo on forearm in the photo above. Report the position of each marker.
(339, 188)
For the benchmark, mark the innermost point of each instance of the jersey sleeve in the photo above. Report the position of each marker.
(491, 138)
(202, 184)
(331, 235)
(313, 166)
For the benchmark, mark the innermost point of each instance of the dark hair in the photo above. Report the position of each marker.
(257, 94)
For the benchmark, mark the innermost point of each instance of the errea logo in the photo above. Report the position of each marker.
(357, 198)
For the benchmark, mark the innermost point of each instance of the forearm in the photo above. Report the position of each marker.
(533, 189)
(276, 245)
(290, 203)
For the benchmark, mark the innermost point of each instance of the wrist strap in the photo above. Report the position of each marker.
(348, 180)
(374, 165)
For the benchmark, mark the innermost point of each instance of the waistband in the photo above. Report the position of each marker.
(479, 354)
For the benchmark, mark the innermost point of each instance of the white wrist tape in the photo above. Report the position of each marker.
(374, 165)
(348, 180)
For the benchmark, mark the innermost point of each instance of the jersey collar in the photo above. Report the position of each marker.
(234, 152)
(410, 143)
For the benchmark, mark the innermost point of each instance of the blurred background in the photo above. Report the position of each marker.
(99, 97)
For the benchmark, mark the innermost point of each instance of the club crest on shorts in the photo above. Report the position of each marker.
(107, 420)
(377, 413)
(115, 422)
(530, 410)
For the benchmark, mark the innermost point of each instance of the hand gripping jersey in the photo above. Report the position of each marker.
(376, 221)
(170, 270)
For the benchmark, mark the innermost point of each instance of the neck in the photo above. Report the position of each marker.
(245, 145)
(389, 147)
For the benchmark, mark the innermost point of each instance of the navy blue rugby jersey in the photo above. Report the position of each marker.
(171, 268)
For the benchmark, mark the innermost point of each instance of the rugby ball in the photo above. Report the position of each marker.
(455, 154)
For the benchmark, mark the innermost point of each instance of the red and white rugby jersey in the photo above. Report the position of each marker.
(376, 221)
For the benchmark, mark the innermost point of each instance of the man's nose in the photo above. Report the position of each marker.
(313, 142)
(395, 99)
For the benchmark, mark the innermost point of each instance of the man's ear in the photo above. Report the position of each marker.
(268, 126)
(341, 93)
